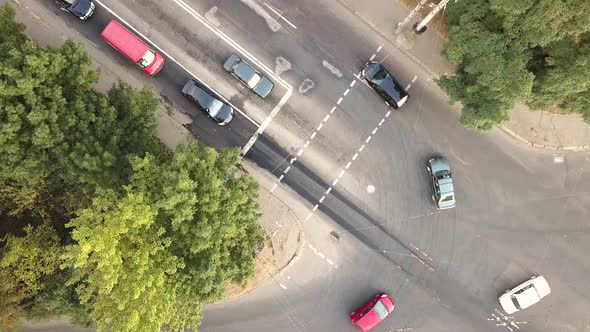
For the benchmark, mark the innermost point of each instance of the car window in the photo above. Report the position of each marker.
(443, 174)
(381, 310)
(381, 74)
(69, 3)
(147, 59)
(447, 198)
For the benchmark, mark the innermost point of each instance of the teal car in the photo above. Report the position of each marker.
(442, 183)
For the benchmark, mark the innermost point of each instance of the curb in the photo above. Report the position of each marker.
(292, 260)
(511, 133)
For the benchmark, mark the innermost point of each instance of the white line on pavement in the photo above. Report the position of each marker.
(279, 15)
(379, 48)
(172, 59)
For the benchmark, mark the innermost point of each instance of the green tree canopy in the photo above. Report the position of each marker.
(182, 231)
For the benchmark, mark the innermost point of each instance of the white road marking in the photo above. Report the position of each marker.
(329, 261)
(368, 139)
(210, 16)
(348, 165)
(281, 65)
(281, 177)
(322, 199)
(315, 207)
(352, 83)
(375, 130)
(299, 152)
(339, 101)
(408, 87)
(274, 186)
(341, 173)
(292, 160)
(362, 148)
(333, 109)
(172, 58)
(346, 92)
(372, 57)
(355, 155)
(321, 255)
(320, 127)
(309, 216)
(306, 85)
(335, 182)
(282, 286)
(287, 169)
(332, 68)
(381, 122)
(379, 48)
(306, 144)
(415, 78)
(280, 15)
(387, 114)
(313, 135)
(326, 117)
(329, 190)
(273, 24)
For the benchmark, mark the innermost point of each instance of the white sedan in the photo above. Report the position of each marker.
(525, 294)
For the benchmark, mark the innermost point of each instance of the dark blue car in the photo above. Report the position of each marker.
(82, 9)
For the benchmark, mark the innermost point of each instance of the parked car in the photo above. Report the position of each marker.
(246, 74)
(442, 183)
(82, 9)
(373, 312)
(384, 84)
(525, 294)
(133, 48)
(209, 102)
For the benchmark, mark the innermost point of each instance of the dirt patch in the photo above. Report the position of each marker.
(438, 23)
(264, 268)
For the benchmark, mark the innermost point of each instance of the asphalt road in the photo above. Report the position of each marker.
(518, 213)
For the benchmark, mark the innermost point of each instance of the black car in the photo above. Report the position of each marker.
(82, 9)
(209, 102)
(384, 84)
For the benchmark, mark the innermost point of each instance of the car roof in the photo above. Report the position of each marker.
(124, 40)
(439, 164)
(387, 83)
(247, 73)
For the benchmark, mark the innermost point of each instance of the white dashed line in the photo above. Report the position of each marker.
(362, 148)
(315, 207)
(355, 155)
(305, 145)
(346, 92)
(282, 286)
(287, 169)
(339, 101)
(372, 57)
(368, 139)
(322, 199)
(321, 255)
(281, 177)
(274, 186)
(333, 109)
(328, 191)
(299, 152)
(341, 173)
(348, 165)
(381, 122)
(280, 15)
(387, 114)
(334, 182)
(408, 87)
(309, 216)
(352, 83)
(326, 117)
(379, 48)
(313, 135)
(375, 130)
(320, 127)
(414, 79)
(329, 261)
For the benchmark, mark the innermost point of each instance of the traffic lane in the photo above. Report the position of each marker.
(181, 36)
(316, 300)
(167, 83)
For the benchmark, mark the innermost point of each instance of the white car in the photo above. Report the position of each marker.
(525, 294)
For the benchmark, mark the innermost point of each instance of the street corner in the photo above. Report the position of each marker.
(546, 130)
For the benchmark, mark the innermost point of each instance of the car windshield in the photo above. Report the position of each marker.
(70, 3)
(209, 103)
(147, 59)
(381, 310)
(445, 174)
(253, 82)
(380, 75)
(446, 198)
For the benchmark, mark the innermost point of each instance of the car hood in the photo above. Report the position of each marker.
(81, 8)
(439, 164)
(225, 115)
(264, 87)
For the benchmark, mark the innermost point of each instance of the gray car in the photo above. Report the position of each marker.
(244, 72)
(208, 101)
(442, 183)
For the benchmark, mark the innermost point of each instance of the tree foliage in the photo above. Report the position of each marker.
(26, 263)
(532, 50)
(183, 230)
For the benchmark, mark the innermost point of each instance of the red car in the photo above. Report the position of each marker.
(372, 313)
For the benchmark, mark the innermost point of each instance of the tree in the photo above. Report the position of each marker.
(491, 72)
(25, 264)
(182, 230)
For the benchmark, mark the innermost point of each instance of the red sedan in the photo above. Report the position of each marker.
(372, 313)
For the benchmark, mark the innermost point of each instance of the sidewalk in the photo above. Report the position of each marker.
(537, 129)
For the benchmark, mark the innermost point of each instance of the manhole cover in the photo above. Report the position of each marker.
(370, 189)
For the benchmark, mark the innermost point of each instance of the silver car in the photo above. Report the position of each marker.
(244, 72)
(442, 183)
